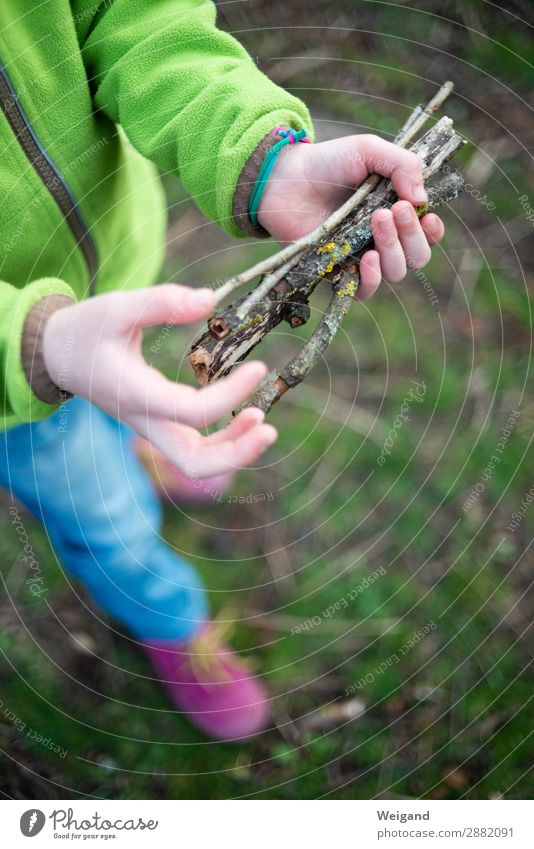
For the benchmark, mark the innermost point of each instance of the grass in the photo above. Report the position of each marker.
(446, 713)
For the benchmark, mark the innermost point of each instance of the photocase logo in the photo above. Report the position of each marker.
(31, 822)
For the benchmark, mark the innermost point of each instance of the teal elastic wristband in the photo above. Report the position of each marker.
(288, 137)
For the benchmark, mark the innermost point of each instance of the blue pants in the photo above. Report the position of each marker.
(77, 473)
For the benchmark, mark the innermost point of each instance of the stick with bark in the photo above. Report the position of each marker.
(229, 339)
(296, 370)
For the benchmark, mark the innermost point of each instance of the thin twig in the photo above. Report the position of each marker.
(419, 116)
(270, 280)
(297, 368)
(317, 235)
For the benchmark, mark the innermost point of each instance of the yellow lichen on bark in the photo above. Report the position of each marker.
(348, 289)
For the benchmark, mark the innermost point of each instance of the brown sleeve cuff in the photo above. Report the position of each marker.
(32, 349)
(245, 186)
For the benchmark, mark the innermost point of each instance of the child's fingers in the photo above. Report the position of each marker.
(145, 390)
(202, 407)
(414, 236)
(202, 456)
(244, 421)
(404, 167)
(216, 457)
(370, 275)
(411, 235)
(392, 261)
(433, 228)
(168, 303)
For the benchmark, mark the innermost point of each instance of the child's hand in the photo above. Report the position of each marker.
(310, 181)
(93, 349)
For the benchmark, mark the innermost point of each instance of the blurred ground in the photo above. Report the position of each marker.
(449, 718)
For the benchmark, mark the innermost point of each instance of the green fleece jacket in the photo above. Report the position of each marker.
(95, 97)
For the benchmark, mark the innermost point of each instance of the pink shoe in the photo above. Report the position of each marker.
(172, 484)
(211, 685)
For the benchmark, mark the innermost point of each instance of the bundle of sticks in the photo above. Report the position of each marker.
(330, 253)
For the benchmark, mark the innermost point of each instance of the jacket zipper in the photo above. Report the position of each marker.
(48, 172)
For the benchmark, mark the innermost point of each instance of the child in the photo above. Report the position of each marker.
(94, 95)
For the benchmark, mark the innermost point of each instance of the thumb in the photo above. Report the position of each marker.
(167, 303)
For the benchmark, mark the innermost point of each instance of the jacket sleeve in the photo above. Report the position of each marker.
(27, 392)
(188, 95)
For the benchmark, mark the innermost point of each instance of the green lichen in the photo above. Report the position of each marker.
(289, 295)
(348, 289)
(256, 319)
(421, 209)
